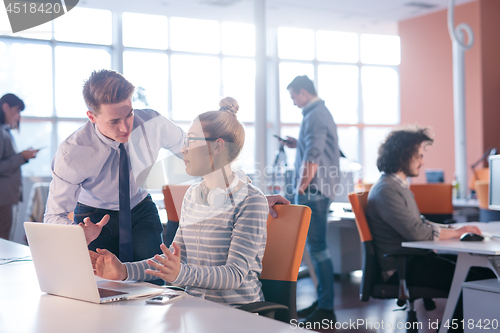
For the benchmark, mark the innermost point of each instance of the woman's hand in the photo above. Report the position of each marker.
(107, 265)
(169, 267)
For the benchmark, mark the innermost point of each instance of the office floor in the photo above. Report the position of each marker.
(349, 309)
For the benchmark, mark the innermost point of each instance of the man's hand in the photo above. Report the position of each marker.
(290, 142)
(92, 230)
(456, 233)
(107, 265)
(273, 200)
(169, 267)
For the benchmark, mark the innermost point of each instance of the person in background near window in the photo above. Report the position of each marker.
(316, 175)
(219, 246)
(10, 161)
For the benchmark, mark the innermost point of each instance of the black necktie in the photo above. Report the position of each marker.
(125, 216)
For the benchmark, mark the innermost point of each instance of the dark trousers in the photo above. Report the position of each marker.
(5, 221)
(146, 229)
(318, 247)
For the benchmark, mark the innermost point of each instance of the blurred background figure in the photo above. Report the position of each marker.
(10, 161)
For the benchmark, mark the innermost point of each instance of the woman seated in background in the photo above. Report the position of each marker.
(218, 248)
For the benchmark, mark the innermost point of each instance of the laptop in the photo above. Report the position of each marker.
(63, 266)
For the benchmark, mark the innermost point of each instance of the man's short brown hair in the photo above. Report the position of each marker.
(106, 87)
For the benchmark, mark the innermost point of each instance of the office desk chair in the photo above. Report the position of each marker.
(372, 283)
(478, 174)
(173, 196)
(286, 237)
(485, 214)
(434, 201)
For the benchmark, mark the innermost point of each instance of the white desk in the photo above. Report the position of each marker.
(24, 308)
(482, 254)
(343, 239)
(479, 315)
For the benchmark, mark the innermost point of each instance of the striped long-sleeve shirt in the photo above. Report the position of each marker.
(221, 247)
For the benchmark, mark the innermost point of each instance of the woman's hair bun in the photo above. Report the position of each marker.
(229, 104)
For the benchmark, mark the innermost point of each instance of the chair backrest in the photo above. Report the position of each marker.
(482, 192)
(435, 198)
(172, 196)
(358, 202)
(286, 237)
(371, 270)
(482, 189)
(478, 174)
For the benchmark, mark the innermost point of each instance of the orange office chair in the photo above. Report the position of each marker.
(372, 283)
(286, 237)
(482, 192)
(479, 174)
(434, 201)
(173, 196)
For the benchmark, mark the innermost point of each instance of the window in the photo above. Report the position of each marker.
(195, 85)
(357, 76)
(36, 135)
(180, 67)
(338, 86)
(287, 72)
(238, 39)
(148, 72)
(372, 138)
(295, 44)
(18, 62)
(184, 66)
(73, 67)
(380, 49)
(47, 71)
(145, 31)
(84, 25)
(192, 35)
(238, 77)
(66, 128)
(337, 46)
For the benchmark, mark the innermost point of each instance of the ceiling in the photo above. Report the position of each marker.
(372, 16)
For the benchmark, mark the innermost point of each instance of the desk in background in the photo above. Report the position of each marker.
(343, 239)
(482, 254)
(24, 308)
(465, 210)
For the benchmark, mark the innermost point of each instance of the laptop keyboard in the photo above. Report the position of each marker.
(108, 292)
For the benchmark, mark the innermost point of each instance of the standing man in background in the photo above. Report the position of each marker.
(316, 174)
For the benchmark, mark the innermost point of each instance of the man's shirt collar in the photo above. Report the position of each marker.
(307, 107)
(403, 182)
(112, 143)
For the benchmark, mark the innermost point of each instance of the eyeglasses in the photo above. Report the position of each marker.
(189, 139)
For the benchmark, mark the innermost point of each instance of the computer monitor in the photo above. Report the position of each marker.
(434, 175)
(494, 195)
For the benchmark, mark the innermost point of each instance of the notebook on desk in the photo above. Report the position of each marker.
(63, 266)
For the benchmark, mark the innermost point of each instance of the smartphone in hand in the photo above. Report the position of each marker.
(279, 138)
